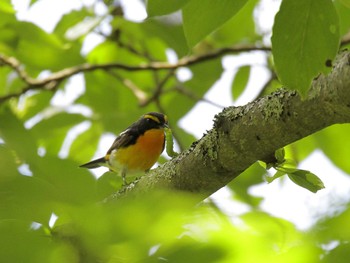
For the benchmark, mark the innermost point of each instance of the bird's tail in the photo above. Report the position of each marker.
(95, 163)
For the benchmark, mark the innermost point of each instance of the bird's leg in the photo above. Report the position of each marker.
(124, 177)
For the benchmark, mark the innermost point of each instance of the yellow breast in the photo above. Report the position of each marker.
(142, 155)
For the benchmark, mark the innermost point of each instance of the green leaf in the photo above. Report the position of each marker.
(54, 54)
(85, 145)
(53, 130)
(345, 3)
(201, 17)
(19, 243)
(242, 184)
(172, 35)
(305, 37)
(71, 184)
(35, 103)
(6, 7)
(7, 164)
(240, 81)
(299, 150)
(343, 10)
(107, 184)
(307, 180)
(334, 142)
(32, 2)
(242, 34)
(27, 198)
(278, 174)
(279, 154)
(16, 137)
(161, 7)
(69, 20)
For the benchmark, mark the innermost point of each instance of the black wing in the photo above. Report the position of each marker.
(124, 139)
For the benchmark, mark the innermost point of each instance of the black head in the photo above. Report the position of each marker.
(154, 120)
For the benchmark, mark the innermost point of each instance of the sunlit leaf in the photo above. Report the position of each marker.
(279, 154)
(243, 183)
(343, 7)
(334, 142)
(240, 81)
(54, 54)
(307, 180)
(200, 18)
(161, 7)
(278, 174)
(223, 36)
(305, 37)
(69, 20)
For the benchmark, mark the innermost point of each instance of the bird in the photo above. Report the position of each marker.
(137, 148)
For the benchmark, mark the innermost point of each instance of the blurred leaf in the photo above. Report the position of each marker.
(27, 198)
(160, 7)
(307, 180)
(110, 108)
(8, 164)
(106, 52)
(188, 250)
(343, 7)
(300, 149)
(345, 2)
(127, 225)
(177, 105)
(4, 72)
(69, 20)
(53, 130)
(224, 35)
(72, 184)
(240, 81)
(277, 229)
(108, 184)
(19, 243)
(171, 34)
(54, 54)
(200, 18)
(84, 146)
(332, 227)
(339, 254)
(334, 142)
(35, 103)
(32, 2)
(241, 185)
(305, 37)
(16, 137)
(6, 7)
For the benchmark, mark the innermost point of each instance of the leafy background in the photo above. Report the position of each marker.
(50, 210)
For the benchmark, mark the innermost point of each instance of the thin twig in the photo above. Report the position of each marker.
(159, 88)
(193, 96)
(155, 66)
(140, 95)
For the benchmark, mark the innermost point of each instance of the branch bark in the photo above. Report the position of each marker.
(242, 135)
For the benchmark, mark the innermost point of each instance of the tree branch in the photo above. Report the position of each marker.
(243, 135)
(57, 77)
